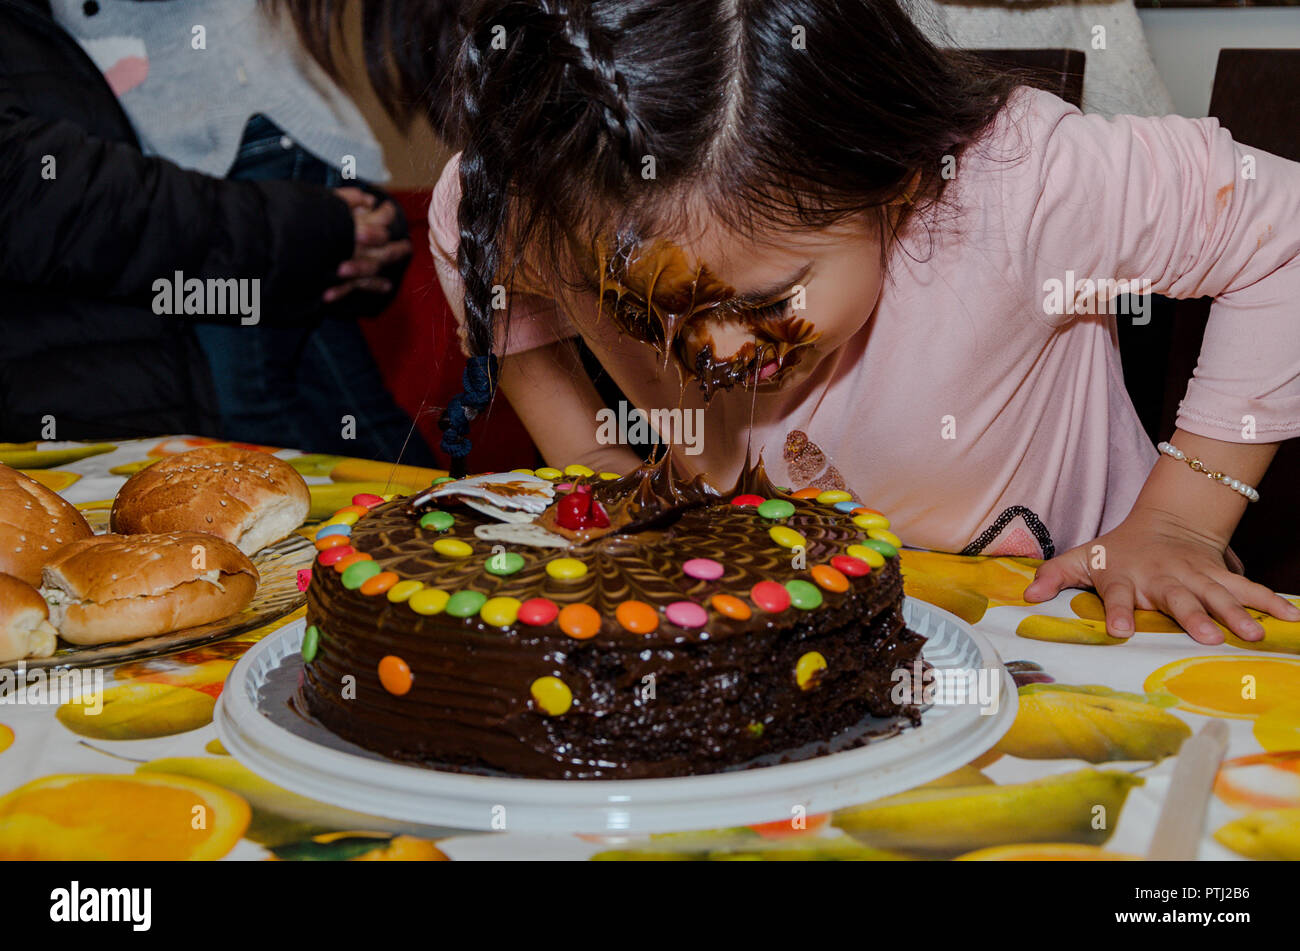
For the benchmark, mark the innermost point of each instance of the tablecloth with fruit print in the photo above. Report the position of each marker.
(1099, 722)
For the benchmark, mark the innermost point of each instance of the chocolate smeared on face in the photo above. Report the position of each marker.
(657, 297)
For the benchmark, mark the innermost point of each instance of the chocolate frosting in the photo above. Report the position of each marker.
(722, 694)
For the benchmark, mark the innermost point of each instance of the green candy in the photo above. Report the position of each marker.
(438, 521)
(310, 641)
(358, 573)
(886, 549)
(804, 594)
(776, 508)
(505, 563)
(465, 603)
(441, 479)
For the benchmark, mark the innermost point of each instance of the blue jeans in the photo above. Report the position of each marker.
(293, 385)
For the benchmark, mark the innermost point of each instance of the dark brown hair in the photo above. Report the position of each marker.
(768, 113)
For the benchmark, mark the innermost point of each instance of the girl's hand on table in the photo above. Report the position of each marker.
(1155, 562)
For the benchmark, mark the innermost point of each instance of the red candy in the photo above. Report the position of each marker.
(770, 596)
(577, 511)
(743, 500)
(538, 611)
(331, 555)
(367, 499)
(853, 567)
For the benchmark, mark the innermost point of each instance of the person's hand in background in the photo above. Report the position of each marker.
(374, 249)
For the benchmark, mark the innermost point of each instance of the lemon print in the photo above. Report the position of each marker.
(140, 711)
(56, 480)
(1229, 686)
(1279, 728)
(120, 818)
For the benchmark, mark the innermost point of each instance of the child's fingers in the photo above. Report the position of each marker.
(1261, 598)
(1118, 599)
(1051, 577)
(1185, 607)
(1227, 608)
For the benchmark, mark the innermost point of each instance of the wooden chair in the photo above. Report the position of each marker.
(1257, 98)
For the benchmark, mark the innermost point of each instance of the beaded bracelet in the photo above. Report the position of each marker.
(1197, 466)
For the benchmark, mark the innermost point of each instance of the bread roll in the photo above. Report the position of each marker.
(124, 587)
(34, 524)
(249, 498)
(25, 629)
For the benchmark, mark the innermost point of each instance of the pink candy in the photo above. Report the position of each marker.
(686, 614)
(706, 569)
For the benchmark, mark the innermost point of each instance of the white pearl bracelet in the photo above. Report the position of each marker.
(1222, 478)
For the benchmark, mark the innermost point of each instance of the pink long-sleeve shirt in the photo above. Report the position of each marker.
(968, 408)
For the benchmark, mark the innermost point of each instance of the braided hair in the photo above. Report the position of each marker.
(757, 113)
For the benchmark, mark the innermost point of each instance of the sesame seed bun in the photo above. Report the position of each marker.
(249, 498)
(25, 629)
(123, 587)
(34, 524)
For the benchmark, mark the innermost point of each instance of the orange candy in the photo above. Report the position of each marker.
(579, 621)
(637, 616)
(379, 583)
(811, 492)
(731, 606)
(342, 564)
(358, 509)
(395, 675)
(832, 579)
(331, 541)
(863, 510)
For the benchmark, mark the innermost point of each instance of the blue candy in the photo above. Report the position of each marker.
(333, 530)
(846, 506)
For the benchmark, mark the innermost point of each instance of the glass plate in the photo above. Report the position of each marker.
(277, 595)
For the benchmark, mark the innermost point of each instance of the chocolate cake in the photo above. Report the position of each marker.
(574, 625)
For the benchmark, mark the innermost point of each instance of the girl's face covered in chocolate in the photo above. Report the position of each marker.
(757, 313)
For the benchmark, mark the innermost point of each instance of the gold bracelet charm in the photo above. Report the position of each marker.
(1220, 477)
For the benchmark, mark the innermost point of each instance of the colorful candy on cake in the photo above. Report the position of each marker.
(575, 625)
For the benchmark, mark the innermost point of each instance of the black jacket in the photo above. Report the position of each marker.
(80, 250)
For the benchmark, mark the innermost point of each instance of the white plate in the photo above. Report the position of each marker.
(310, 761)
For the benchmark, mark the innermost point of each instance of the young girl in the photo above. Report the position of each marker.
(893, 271)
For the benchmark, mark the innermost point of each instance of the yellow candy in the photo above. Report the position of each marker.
(342, 518)
(429, 601)
(831, 496)
(453, 548)
(786, 537)
(524, 471)
(403, 590)
(885, 535)
(868, 522)
(607, 476)
(389, 497)
(546, 472)
(552, 695)
(500, 612)
(566, 569)
(872, 557)
(807, 668)
(576, 470)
